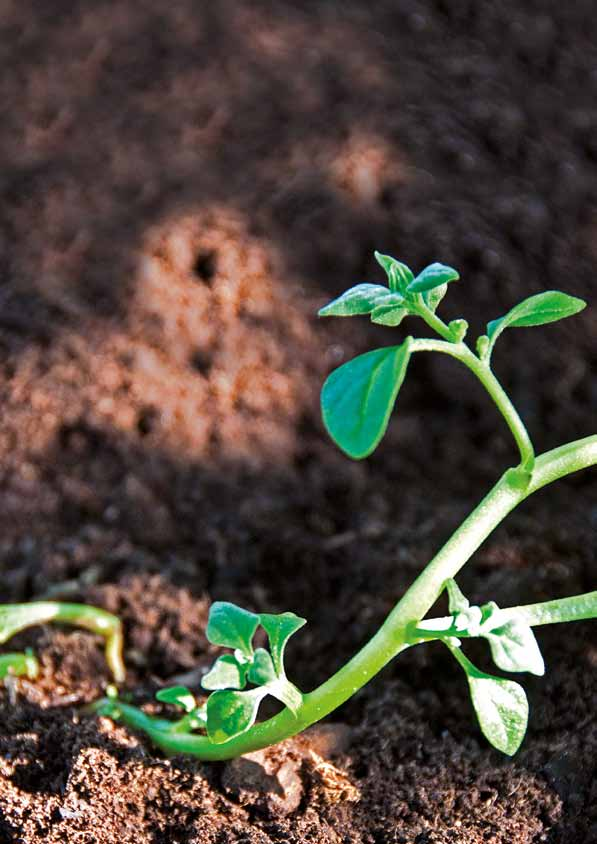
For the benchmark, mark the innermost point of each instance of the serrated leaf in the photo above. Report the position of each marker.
(279, 628)
(178, 696)
(502, 710)
(232, 627)
(262, 671)
(231, 713)
(399, 275)
(550, 306)
(435, 275)
(226, 673)
(361, 299)
(513, 644)
(358, 397)
(433, 297)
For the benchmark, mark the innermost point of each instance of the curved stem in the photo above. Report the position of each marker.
(434, 322)
(481, 369)
(391, 638)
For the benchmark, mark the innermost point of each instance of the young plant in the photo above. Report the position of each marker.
(17, 617)
(357, 400)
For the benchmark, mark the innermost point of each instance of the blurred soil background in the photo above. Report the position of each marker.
(182, 185)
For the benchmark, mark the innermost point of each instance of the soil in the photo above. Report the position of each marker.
(182, 185)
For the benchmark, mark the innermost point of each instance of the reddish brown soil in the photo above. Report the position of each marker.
(182, 184)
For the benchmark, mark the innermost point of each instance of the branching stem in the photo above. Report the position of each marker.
(392, 637)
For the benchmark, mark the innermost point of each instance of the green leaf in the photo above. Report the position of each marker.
(179, 696)
(433, 297)
(399, 275)
(231, 713)
(541, 309)
(358, 397)
(388, 315)
(226, 673)
(512, 642)
(435, 275)
(502, 710)
(361, 299)
(279, 629)
(18, 664)
(457, 602)
(262, 671)
(232, 627)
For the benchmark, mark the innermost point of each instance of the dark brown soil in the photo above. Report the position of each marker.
(182, 184)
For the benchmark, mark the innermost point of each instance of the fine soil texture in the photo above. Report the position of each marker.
(182, 185)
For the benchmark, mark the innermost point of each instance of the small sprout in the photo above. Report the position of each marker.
(19, 665)
(357, 400)
(458, 329)
(17, 617)
(178, 696)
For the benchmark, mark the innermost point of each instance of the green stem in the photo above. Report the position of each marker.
(480, 368)
(558, 611)
(17, 617)
(434, 322)
(391, 638)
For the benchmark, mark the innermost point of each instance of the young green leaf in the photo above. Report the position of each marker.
(541, 309)
(279, 629)
(435, 275)
(231, 713)
(502, 711)
(232, 627)
(226, 673)
(179, 696)
(358, 397)
(512, 642)
(433, 297)
(262, 671)
(18, 664)
(388, 315)
(399, 275)
(361, 299)
(457, 602)
(501, 706)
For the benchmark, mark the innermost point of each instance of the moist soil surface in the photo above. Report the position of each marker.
(182, 186)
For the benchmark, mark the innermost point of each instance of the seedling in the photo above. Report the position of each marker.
(17, 617)
(357, 400)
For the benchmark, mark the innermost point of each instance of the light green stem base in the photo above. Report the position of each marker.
(391, 638)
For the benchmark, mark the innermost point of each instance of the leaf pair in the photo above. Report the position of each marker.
(231, 709)
(389, 305)
(501, 705)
